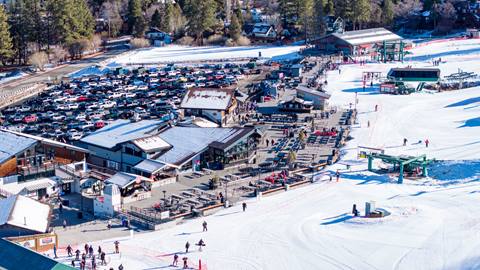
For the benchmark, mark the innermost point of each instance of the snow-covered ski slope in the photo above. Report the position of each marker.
(435, 223)
(186, 54)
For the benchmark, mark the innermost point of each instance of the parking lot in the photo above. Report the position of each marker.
(74, 109)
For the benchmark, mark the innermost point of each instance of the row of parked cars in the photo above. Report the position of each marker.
(71, 110)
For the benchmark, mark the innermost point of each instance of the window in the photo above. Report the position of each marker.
(112, 165)
(129, 150)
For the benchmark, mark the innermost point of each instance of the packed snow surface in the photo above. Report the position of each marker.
(175, 53)
(434, 222)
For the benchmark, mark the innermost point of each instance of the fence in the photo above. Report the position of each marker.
(9, 97)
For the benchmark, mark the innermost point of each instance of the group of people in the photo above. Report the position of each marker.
(427, 142)
(437, 62)
(87, 253)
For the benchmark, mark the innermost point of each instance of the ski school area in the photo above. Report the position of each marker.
(406, 196)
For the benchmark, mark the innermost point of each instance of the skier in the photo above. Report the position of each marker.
(200, 244)
(267, 141)
(175, 260)
(376, 108)
(69, 251)
(273, 142)
(99, 251)
(187, 246)
(204, 224)
(117, 249)
(330, 177)
(65, 224)
(337, 174)
(109, 224)
(368, 123)
(185, 263)
(90, 251)
(77, 254)
(102, 258)
(405, 141)
(244, 206)
(120, 267)
(426, 143)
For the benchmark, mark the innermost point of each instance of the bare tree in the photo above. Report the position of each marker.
(406, 8)
(139, 43)
(110, 12)
(38, 60)
(59, 54)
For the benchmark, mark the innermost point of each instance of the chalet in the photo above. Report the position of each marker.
(160, 152)
(264, 32)
(296, 105)
(20, 215)
(28, 164)
(158, 38)
(355, 43)
(318, 98)
(217, 105)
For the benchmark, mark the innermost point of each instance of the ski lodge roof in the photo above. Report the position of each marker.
(207, 99)
(314, 92)
(367, 36)
(12, 144)
(121, 131)
(24, 212)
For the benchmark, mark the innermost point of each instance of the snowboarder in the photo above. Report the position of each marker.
(175, 260)
(200, 244)
(204, 225)
(69, 251)
(187, 246)
(185, 262)
(117, 249)
(405, 141)
(244, 206)
(337, 174)
(426, 143)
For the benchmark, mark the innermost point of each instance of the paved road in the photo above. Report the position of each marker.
(58, 72)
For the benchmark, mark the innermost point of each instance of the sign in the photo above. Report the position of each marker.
(27, 243)
(47, 241)
(164, 215)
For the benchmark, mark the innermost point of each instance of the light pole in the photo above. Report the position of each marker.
(164, 198)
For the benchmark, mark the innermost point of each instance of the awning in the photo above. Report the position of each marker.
(150, 166)
(38, 186)
(66, 181)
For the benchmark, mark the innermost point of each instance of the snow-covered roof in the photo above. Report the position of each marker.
(123, 180)
(207, 98)
(33, 185)
(23, 212)
(261, 28)
(120, 131)
(311, 91)
(367, 36)
(150, 166)
(151, 144)
(187, 142)
(12, 144)
(50, 142)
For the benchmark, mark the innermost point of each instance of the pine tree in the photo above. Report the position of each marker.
(238, 13)
(318, 22)
(387, 12)
(201, 17)
(6, 45)
(168, 17)
(156, 20)
(361, 12)
(136, 21)
(329, 8)
(234, 28)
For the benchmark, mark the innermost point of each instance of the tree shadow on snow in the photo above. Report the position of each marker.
(367, 179)
(474, 122)
(465, 102)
